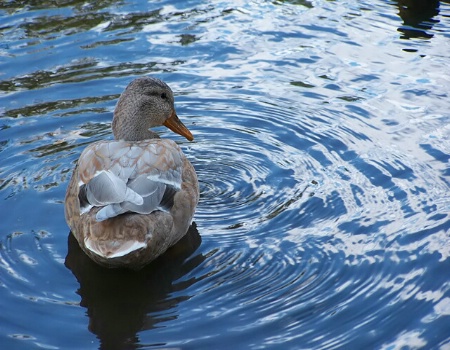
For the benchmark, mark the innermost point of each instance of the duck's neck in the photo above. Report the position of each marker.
(134, 134)
(131, 128)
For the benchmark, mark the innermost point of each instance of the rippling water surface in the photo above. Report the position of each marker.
(322, 147)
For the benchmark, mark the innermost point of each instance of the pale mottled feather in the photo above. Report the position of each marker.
(107, 188)
(129, 177)
(113, 249)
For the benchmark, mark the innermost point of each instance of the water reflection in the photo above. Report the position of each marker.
(417, 16)
(30, 5)
(322, 157)
(120, 303)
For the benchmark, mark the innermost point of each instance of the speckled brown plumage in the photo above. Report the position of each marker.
(148, 235)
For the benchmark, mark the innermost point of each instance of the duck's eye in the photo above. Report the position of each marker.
(164, 96)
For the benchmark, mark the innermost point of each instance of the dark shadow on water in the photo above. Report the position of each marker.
(418, 17)
(120, 302)
(305, 3)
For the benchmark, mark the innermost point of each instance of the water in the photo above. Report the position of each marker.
(322, 147)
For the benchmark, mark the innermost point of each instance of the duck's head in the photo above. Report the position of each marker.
(146, 102)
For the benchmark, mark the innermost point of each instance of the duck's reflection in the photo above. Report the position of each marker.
(121, 302)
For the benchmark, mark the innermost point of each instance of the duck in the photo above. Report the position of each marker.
(131, 198)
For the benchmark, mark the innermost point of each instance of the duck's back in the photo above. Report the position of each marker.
(126, 193)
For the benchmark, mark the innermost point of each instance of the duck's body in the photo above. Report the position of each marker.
(130, 199)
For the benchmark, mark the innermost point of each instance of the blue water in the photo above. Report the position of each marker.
(322, 147)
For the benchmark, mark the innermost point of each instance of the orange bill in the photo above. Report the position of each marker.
(175, 124)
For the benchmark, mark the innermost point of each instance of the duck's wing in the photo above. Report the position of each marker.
(121, 176)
